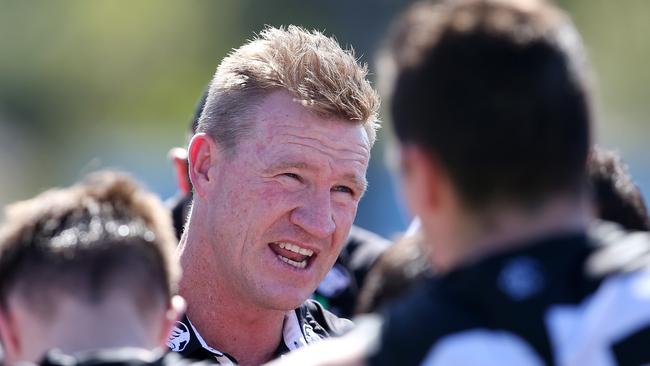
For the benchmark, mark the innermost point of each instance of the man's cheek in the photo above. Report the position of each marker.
(346, 217)
(273, 195)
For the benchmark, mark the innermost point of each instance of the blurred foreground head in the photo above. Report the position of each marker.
(87, 267)
(495, 92)
(491, 105)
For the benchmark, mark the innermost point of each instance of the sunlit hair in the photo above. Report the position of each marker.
(103, 234)
(312, 67)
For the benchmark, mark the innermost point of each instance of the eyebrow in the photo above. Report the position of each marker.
(360, 183)
(288, 165)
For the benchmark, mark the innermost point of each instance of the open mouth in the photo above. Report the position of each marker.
(292, 254)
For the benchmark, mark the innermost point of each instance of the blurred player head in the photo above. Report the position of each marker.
(87, 267)
(491, 106)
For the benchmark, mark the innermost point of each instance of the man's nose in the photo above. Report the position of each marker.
(314, 214)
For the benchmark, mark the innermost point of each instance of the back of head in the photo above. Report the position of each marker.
(84, 243)
(309, 65)
(496, 91)
(616, 197)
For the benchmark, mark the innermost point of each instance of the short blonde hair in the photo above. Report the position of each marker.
(312, 67)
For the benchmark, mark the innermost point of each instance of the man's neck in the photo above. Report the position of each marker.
(468, 238)
(226, 321)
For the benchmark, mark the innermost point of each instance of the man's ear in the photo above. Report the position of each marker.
(173, 314)
(423, 179)
(8, 337)
(178, 158)
(203, 154)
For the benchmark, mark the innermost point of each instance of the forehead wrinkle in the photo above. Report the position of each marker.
(293, 161)
(328, 150)
(360, 182)
(360, 158)
(290, 131)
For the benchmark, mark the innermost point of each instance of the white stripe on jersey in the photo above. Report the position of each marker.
(583, 334)
(482, 347)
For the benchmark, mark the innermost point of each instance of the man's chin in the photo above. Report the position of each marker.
(285, 302)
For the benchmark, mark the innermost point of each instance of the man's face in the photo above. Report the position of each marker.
(281, 205)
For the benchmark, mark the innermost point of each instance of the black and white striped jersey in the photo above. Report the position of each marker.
(305, 325)
(581, 299)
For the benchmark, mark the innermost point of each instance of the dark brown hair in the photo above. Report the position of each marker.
(399, 269)
(495, 90)
(616, 197)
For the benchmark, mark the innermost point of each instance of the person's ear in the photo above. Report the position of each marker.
(173, 314)
(9, 337)
(423, 179)
(178, 158)
(203, 154)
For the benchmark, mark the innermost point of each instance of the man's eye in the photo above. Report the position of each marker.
(293, 176)
(343, 189)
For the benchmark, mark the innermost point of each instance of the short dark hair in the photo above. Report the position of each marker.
(196, 115)
(103, 234)
(497, 92)
(616, 197)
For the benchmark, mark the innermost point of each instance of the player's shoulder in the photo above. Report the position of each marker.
(411, 325)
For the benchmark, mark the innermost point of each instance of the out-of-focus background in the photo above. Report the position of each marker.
(95, 84)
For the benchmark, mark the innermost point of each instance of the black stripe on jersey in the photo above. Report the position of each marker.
(634, 349)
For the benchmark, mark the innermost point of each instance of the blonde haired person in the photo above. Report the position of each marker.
(278, 167)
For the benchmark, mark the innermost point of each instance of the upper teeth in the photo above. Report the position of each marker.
(296, 249)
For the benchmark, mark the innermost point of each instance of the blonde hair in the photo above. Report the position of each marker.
(312, 67)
